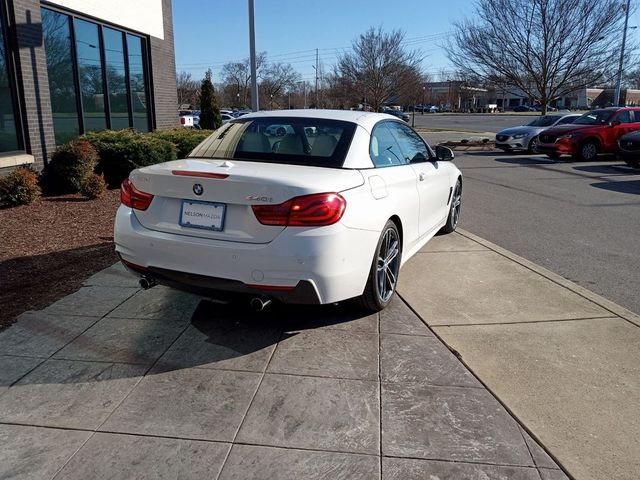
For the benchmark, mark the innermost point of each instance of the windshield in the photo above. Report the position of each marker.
(544, 121)
(291, 140)
(597, 117)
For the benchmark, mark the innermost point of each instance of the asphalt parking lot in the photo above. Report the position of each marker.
(580, 220)
(476, 122)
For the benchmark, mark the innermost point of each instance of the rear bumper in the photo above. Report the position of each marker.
(303, 293)
(301, 265)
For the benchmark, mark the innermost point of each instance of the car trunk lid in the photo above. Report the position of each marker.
(187, 192)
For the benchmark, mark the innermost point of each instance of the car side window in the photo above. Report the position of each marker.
(624, 117)
(384, 149)
(566, 120)
(412, 145)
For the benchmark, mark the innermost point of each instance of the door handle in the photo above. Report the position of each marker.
(421, 176)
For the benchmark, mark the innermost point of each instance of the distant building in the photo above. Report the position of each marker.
(457, 96)
(72, 66)
(583, 98)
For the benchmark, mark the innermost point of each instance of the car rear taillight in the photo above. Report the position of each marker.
(315, 210)
(134, 198)
(183, 121)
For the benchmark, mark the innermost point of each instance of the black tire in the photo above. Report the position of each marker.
(632, 163)
(385, 267)
(553, 156)
(454, 209)
(588, 151)
(533, 145)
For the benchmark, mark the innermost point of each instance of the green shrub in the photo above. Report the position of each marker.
(69, 164)
(184, 139)
(92, 186)
(19, 187)
(121, 151)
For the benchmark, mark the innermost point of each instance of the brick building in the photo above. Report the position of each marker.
(73, 66)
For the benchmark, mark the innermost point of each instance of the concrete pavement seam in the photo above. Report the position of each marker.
(602, 302)
(253, 397)
(493, 394)
(558, 320)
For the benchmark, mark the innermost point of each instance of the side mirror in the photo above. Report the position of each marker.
(444, 154)
(615, 123)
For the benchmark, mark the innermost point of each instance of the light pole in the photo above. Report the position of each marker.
(255, 104)
(424, 89)
(616, 100)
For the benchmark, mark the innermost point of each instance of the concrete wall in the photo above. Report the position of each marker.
(33, 83)
(163, 74)
(144, 16)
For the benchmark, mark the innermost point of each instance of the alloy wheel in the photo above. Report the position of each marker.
(388, 264)
(456, 205)
(589, 151)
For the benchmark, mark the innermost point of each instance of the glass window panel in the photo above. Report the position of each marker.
(91, 80)
(8, 133)
(384, 149)
(138, 83)
(412, 146)
(116, 78)
(57, 43)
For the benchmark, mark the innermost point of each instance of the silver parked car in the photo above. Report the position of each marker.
(525, 137)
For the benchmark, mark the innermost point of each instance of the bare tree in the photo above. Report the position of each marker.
(188, 89)
(277, 80)
(378, 66)
(411, 92)
(545, 48)
(239, 74)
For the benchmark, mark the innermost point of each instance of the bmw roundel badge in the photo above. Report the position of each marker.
(198, 189)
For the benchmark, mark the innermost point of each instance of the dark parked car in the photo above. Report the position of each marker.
(629, 149)
(397, 113)
(524, 108)
(593, 133)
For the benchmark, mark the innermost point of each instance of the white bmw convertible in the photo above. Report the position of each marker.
(328, 211)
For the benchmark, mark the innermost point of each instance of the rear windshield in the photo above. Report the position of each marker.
(292, 140)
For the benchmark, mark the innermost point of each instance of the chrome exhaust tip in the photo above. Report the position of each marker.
(146, 283)
(259, 304)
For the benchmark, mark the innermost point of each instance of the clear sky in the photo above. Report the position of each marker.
(209, 33)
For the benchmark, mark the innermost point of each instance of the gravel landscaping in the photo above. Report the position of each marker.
(48, 248)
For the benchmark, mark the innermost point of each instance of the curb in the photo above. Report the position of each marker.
(612, 307)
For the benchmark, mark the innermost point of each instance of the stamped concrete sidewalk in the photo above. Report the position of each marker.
(565, 361)
(114, 382)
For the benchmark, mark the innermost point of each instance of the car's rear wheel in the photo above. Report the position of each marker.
(588, 151)
(383, 276)
(454, 210)
(533, 145)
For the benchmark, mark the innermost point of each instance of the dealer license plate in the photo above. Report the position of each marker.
(206, 215)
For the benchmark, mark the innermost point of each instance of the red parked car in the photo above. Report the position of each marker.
(594, 132)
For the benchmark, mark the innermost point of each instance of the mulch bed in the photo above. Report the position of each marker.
(48, 248)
